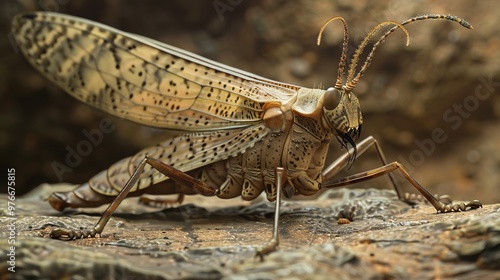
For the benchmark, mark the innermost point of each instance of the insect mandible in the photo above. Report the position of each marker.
(244, 134)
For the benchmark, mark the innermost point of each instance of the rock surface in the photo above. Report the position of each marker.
(387, 240)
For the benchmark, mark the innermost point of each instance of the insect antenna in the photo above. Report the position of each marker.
(351, 83)
(343, 57)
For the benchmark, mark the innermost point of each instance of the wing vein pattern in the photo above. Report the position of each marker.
(143, 80)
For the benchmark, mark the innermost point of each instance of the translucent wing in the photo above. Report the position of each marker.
(143, 80)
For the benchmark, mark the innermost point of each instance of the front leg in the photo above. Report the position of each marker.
(343, 161)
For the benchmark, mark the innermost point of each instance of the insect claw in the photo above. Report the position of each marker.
(62, 234)
(474, 204)
(266, 249)
(69, 234)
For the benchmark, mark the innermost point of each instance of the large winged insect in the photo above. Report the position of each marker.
(245, 134)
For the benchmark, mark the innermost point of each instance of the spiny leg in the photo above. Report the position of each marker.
(343, 160)
(273, 243)
(167, 170)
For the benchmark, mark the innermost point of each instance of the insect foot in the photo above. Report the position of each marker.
(444, 202)
(267, 248)
(457, 207)
(69, 234)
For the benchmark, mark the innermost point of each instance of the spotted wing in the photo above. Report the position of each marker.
(143, 80)
(185, 152)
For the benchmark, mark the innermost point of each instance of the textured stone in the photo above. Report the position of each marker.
(386, 239)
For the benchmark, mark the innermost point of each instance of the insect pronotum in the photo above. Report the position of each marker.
(244, 135)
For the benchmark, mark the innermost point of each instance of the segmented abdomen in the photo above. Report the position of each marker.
(246, 172)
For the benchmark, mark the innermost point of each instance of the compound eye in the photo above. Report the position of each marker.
(332, 98)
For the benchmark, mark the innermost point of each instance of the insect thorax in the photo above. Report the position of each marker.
(300, 147)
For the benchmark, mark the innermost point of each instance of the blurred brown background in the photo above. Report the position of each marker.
(405, 95)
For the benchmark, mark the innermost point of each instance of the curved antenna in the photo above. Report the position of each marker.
(343, 57)
(369, 58)
(456, 19)
(351, 82)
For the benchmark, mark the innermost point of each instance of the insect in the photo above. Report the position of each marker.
(343, 221)
(244, 134)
